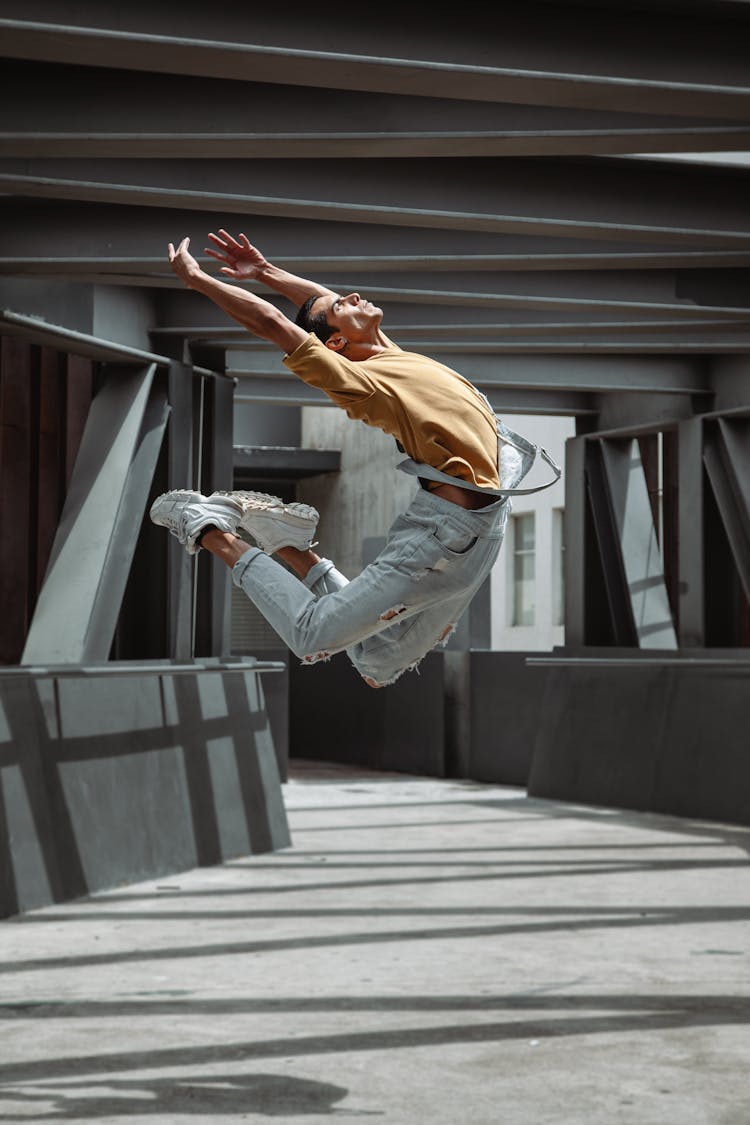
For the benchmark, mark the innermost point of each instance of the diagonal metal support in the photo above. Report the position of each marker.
(76, 613)
(727, 460)
(574, 479)
(691, 554)
(610, 554)
(639, 547)
(180, 475)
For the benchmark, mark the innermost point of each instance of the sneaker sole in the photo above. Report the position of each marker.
(262, 502)
(170, 497)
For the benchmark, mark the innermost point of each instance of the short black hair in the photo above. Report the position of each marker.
(317, 324)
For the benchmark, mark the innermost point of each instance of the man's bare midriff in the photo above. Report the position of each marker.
(464, 497)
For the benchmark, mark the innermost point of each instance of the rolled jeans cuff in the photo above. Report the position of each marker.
(317, 571)
(242, 564)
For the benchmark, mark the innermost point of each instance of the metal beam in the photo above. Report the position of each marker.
(611, 199)
(37, 185)
(690, 541)
(531, 299)
(284, 461)
(151, 270)
(641, 558)
(79, 602)
(180, 474)
(214, 472)
(181, 106)
(284, 62)
(574, 556)
(81, 239)
(730, 379)
(373, 146)
(176, 116)
(38, 331)
(727, 459)
(635, 415)
(606, 536)
(486, 336)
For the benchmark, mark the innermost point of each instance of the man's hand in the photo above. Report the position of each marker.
(241, 260)
(182, 262)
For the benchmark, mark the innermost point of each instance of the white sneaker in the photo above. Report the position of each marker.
(187, 514)
(274, 524)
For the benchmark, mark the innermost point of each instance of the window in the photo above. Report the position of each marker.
(523, 569)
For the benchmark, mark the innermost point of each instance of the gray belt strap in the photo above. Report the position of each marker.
(528, 450)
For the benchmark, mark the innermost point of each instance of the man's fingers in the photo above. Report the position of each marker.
(228, 238)
(174, 254)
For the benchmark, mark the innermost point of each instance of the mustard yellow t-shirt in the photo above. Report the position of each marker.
(439, 418)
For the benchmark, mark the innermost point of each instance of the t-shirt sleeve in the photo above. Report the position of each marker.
(344, 382)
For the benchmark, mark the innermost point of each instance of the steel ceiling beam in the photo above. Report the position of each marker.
(616, 200)
(157, 268)
(118, 113)
(40, 238)
(239, 338)
(622, 83)
(220, 146)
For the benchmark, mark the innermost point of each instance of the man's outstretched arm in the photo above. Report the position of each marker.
(253, 313)
(243, 261)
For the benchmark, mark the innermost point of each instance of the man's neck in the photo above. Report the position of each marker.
(362, 350)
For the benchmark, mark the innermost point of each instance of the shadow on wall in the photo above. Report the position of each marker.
(110, 779)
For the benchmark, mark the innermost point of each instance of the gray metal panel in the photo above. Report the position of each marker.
(641, 557)
(78, 603)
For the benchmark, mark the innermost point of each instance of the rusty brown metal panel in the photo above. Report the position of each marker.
(15, 475)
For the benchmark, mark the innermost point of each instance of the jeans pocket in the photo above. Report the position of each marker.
(454, 540)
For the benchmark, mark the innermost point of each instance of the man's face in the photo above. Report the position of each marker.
(352, 316)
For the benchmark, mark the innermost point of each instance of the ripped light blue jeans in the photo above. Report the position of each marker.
(403, 604)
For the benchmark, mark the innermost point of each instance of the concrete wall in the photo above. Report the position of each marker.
(335, 717)
(663, 736)
(659, 736)
(110, 779)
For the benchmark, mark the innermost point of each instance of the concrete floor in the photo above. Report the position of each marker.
(427, 951)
